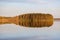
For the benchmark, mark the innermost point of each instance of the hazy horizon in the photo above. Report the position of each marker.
(18, 7)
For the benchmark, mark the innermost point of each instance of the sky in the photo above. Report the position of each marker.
(17, 7)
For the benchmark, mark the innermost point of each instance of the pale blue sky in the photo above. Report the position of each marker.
(26, 6)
